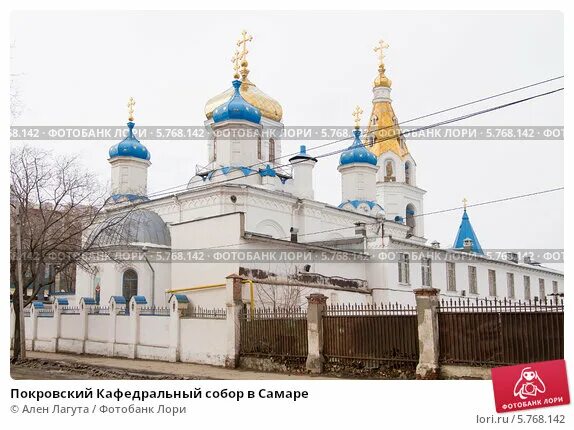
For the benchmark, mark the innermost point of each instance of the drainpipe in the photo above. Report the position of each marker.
(152, 296)
(209, 286)
(198, 287)
(251, 296)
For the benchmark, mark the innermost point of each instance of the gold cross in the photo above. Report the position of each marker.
(464, 202)
(357, 115)
(235, 61)
(380, 48)
(131, 104)
(242, 43)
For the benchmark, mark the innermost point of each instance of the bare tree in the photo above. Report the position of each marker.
(59, 204)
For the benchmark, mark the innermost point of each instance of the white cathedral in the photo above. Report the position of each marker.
(252, 213)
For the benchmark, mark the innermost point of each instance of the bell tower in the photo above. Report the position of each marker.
(397, 190)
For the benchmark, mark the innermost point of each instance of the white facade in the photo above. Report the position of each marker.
(358, 181)
(242, 207)
(129, 176)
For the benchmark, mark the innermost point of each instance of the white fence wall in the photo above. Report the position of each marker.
(201, 341)
(70, 327)
(154, 331)
(153, 337)
(122, 329)
(98, 328)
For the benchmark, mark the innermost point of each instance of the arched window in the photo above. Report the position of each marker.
(390, 171)
(271, 150)
(408, 173)
(130, 284)
(410, 218)
(214, 148)
(259, 156)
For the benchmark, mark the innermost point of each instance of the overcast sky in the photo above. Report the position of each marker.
(80, 68)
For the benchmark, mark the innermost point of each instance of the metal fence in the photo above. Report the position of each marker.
(45, 313)
(204, 313)
(160, 311)
(370, 335)
(499, 332)
(274, 332)
(70, 310)
(98, 310)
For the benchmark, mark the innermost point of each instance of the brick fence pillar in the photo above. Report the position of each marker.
(234, 305)
(316, 306)
(427, 317)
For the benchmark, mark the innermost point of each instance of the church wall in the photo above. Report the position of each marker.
(398, 167)
(208, 235)
(210, 298)
(129, 176)
(358, 182)
(439, 277)
(110, 274)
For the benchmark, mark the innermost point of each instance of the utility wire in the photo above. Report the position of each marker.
(391, 126)
(441, 123)
(505, 199)
(488, 202)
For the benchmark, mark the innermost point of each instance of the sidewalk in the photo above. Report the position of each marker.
(198, 371)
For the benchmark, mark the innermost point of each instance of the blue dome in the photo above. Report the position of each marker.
(465, 231)
(237, 108)
(357, 153)
(130, 147)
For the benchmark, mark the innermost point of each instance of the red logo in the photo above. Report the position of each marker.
(529, 386)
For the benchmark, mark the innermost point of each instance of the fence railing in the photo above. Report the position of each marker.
(205, 313)
(99, 310)
(70, 310)
(499, 332)
(45, 313)
(274, 332)
(370, 335)
(162, 311)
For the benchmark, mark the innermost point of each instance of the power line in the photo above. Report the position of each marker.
(391, 126)
(488, 202)
(505, 199)
(427, 127)
(441, 111)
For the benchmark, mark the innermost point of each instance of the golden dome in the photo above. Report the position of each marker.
(269, 107)
(381, 80)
